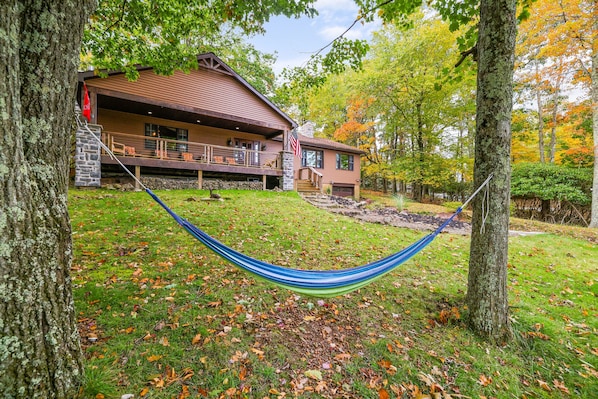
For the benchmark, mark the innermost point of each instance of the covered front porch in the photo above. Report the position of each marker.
(209, 120)
(152, 153)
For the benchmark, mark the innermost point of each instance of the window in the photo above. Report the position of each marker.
(168, 133)
(313, 158)
(344, 161)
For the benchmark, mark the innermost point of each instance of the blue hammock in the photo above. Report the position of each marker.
(325, 283)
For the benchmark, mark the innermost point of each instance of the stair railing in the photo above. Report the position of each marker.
(313, 176)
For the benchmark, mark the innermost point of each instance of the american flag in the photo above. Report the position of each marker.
(294, 139)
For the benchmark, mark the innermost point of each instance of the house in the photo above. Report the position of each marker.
(206, 128)
(333, 167)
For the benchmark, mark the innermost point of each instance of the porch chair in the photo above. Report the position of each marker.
(117, 148)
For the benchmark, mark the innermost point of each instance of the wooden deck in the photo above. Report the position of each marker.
(134, 150)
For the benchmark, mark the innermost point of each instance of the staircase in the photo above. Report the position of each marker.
(306, 186)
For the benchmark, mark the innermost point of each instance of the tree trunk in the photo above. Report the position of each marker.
(487, 281)
(40, 355)
(555, 114)
(594, 218)
(540, 121)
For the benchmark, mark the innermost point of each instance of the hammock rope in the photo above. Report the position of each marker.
(327, 283)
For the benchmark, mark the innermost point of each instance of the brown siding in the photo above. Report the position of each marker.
(202, 89)
(331, 174)
(121, 122)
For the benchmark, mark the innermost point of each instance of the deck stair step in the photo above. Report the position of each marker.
(320, 200)
(306, 186)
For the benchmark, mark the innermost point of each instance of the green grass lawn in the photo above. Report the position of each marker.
(162, 317)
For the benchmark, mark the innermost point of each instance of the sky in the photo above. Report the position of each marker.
(295, 40)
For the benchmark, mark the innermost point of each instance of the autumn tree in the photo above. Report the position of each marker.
(569, 32)
(490, 39)
(40, 356)
(419, 104)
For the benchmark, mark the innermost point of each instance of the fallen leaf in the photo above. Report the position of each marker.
(342, 356)
(560, 385)
(154, 358)
(383, 394)
(259, 353)
(544, 385)
(242, 373)
(144, 392)
(184, 394)
(321, 386)
(196, 339)
(314, 374)
(484, 381)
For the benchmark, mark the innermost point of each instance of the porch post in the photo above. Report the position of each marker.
(200, 179)
(138, 176)
(287, 158)
(263, 182)
(88, 165)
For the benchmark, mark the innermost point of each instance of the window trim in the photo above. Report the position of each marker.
(350, 161)
(181, 135)
(318, 165)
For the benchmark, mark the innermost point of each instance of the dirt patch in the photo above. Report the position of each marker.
(388, 215)
(318, 336)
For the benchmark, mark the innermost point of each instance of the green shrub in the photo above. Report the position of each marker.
(549, 182)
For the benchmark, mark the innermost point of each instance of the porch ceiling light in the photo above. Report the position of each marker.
(149, 112)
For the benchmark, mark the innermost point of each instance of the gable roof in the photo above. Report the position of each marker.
(317, 142)
(327, 144)
(211, 61)
(206, 62)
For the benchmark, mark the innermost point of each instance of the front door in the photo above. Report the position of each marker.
(250, 155)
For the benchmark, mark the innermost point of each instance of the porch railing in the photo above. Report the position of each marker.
(313, 176)
(129, 145)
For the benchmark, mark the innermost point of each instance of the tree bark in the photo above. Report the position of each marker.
(555, 114)
(541, 149)
(487, 281)
(40, 355)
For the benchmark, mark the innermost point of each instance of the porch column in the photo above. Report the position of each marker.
(200, 179)
(88, 166)
(263, 182)
(287, 158)
(138, 176)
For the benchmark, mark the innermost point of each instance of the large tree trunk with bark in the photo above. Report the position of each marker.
(487, 283)
(40, 355)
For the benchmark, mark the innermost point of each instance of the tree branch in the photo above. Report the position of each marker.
(472, 51)
(122, 15)
(362, 16)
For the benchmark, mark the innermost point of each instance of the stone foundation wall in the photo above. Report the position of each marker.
(169, 183)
